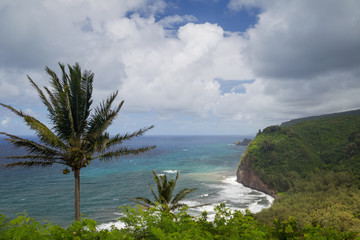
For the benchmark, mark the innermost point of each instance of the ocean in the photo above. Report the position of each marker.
(205, 162)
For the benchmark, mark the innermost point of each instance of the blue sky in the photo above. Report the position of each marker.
(187, 66)
(215, 12)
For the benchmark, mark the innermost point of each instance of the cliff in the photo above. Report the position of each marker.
(281, 154)
(246, 176)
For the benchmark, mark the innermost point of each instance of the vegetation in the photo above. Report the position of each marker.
(314, 166)
(78, 134)
(294, 121)
(325, 198)
(155, 224)
(164, 198)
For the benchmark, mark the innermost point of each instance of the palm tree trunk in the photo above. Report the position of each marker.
(77, 193)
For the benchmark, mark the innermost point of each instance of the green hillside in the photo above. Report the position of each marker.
(314, 165)
(325, 116)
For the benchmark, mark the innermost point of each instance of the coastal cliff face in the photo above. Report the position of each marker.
(281, 155)
(247, 177)
(313, 164)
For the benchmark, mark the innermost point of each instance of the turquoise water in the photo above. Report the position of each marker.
(206, 162)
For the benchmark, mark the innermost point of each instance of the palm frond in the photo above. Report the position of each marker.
(59, 99)
(53, 100)
(165, 190)
(55, 105)
(97, 144)
(147, 203)
(168, 187)
(70, 119)
(102, 117)
(119, 139)
(43, 98)
(76, 99)
(157, 199)
(61, 119)
(31, 146)
(55, 82)
(163, 200)
(41, 157)
(43, 132)
(87, 89)
(123, 152)
(27, 164)
(65, 77)
(183, 193)
(158, 185)
(101, 142)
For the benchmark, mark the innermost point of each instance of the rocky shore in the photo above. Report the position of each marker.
(246, 176)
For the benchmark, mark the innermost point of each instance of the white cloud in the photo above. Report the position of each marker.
(178, 74)
(302, 55)
(307, 53)
(5, 122)
(304, 39)
(172, 21)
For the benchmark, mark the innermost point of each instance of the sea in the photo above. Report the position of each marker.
(208, 163)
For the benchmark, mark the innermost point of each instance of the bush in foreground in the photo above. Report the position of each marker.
(154, 224)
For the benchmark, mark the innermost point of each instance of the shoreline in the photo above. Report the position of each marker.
(230, 183)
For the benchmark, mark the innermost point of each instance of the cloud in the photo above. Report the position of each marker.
(8, 89)
(306, 53)
(176, 20)
(39, 31)
(237, 5)
(5, 122)
(301, 58)
(178, 74)
(303, 39)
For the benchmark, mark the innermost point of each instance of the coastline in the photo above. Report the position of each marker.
(203, 162)
(232, 192)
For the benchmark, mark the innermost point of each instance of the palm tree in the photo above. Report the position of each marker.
(78, 134)
(164, 197)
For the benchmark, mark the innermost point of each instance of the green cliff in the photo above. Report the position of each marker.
(305, 157)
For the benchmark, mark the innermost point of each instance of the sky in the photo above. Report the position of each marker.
(189, 67)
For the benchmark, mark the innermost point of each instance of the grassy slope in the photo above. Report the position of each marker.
(314, 165)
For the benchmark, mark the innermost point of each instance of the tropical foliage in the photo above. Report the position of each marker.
(326, 199)
(164, 197)
(156, 224)
(78, 132)
(279, 154)
(313, 165)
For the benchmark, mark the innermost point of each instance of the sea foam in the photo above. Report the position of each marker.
(170, 171)
(235, 196)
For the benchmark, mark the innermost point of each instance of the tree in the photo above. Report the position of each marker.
(164, 197)
(78, 134)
